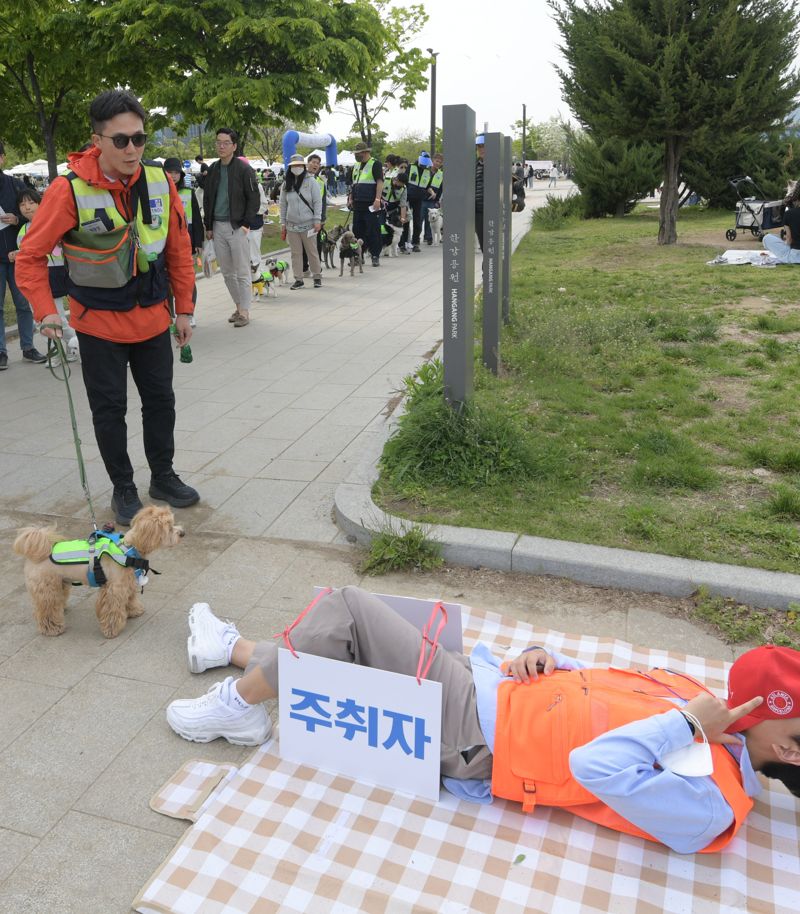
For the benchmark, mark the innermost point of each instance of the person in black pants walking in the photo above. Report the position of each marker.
(366, 202)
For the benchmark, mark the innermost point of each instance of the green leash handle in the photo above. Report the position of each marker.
(55, 347)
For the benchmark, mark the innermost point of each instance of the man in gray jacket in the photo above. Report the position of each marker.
(230, 208)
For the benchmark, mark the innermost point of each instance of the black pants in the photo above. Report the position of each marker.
(367, 227)
(415, 206)
(479, 227)
(105, 374)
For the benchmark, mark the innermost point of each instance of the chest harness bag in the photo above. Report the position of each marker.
(90, 551)
(540, 723)
(116, 261)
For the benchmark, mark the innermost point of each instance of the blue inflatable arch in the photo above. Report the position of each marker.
(292, 139)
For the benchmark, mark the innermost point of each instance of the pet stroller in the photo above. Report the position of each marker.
(755, 214)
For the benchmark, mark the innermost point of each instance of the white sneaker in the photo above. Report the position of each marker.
(209, 717)
(207, 644)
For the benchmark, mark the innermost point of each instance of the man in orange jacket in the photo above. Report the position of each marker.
(122, 229)
(606, 744)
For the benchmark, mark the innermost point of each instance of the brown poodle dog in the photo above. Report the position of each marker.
(49, 583)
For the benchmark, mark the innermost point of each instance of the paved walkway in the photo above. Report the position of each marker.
(270, 418)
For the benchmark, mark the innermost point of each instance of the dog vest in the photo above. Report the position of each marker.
(90, 551)
(541, 722)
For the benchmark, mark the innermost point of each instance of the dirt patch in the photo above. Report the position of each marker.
(731, 394)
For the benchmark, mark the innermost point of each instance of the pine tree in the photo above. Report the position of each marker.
(614, 173)
(660, 71)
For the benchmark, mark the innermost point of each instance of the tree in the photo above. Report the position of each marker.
(45, 84)
(660, 71)
(614, 173)
(711, 160)
(247, 63)
(399, 75)
(531, 142)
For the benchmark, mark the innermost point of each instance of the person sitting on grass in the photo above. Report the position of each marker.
(542, 729)
(787, 251)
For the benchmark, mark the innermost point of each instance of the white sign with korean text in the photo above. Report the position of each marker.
(371, 725)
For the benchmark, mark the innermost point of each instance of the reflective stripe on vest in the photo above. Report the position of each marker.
(185, 193)
(541, 722)
(419, 178)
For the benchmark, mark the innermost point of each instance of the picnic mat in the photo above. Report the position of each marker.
(759, 258)
(280, 837)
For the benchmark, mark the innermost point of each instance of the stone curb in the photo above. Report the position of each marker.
(360, 518)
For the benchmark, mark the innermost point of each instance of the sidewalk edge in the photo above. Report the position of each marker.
(359, 517)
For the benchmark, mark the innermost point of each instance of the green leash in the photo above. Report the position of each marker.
(56, 347)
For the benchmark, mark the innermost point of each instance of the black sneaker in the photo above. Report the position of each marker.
(429, 243)
(33, 355)
(415, 249)
(3, 361)
(297, 284)
(125, 503)
(376, 261)
(318, 283)
(170, 489)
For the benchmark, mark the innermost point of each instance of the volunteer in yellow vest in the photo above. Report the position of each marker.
(28, 201)
(313, 165)
(122, 229)
(436, 188)
(542, 730)
(194, 219)
(365, 200)
(419, 190)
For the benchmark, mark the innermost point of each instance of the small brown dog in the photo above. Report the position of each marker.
(351, 248)
(49, 583)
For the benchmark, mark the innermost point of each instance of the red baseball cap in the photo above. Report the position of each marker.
(774, 674)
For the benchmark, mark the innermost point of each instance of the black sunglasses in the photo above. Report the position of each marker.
(121, 140)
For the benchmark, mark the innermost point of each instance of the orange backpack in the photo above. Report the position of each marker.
(541, 722)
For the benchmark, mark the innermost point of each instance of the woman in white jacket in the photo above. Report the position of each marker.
(301, 220)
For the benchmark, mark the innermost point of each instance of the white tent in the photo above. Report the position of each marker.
(346, 158)
(37, 168)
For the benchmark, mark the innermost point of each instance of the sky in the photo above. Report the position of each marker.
(494, 56)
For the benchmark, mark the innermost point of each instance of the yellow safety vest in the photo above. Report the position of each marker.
(419, 178)
(115, 264)
(57, 271)
(185, 193)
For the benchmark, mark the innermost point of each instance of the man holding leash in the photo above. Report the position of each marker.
(616, 747)
(122, 229)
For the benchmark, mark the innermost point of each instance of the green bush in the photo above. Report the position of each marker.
(557, 211)
(483, 443)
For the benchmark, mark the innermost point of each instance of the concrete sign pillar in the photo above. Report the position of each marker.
(458, 256)
(493, 231)
(506, 227)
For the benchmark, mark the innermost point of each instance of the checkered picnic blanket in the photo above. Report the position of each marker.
(280, 837)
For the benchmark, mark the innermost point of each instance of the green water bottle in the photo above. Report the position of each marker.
(186, 351)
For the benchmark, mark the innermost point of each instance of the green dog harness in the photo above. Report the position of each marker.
(91, 550)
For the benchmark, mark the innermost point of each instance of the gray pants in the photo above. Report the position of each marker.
(233, 256)
(297, 242)
(356, 627)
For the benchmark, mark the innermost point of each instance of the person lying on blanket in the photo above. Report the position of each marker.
(542, 729)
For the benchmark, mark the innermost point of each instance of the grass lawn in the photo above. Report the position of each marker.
(648, 401)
